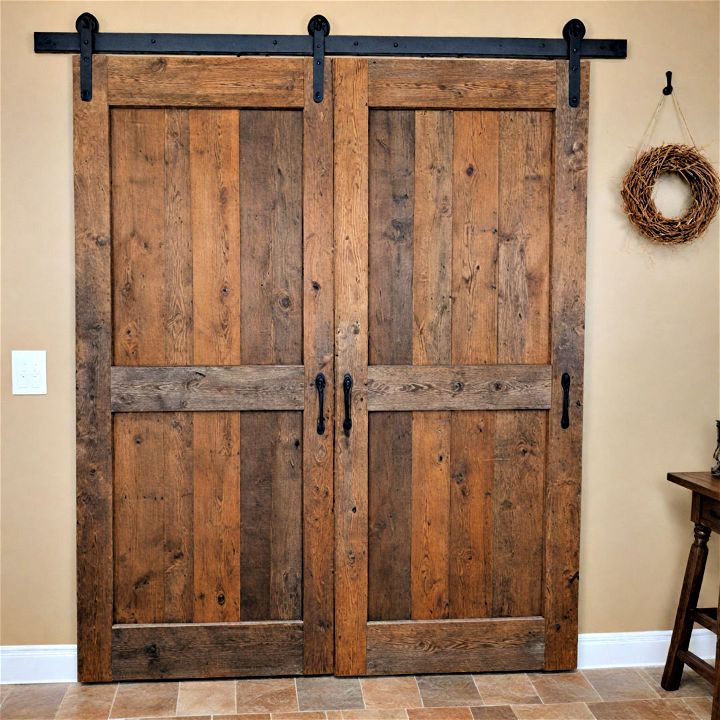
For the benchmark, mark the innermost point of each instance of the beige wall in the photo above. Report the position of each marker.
(652, 320)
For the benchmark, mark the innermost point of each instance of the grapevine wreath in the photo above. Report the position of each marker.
(688, 163)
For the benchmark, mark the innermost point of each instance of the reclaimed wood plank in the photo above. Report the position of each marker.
(564, 459)
(474, 341)
(390, 248)
(435, 646)
(214, 179)
(432, 270)
(458, 387)
(318, 356)
(461, 83)
(207, 387)
(523, 337)
(93, 346)
(206, 82)
(351, 328)
(211, 650)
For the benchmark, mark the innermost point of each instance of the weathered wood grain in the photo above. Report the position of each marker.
(93, 346)
(461, 83)
(174, 651)
(432, 270)
(474, 341)
(458, 387)
(206, 387)
(564, 472)
(437, 646)
(221, 82)
(391, 167)
(351, 327)
(318, 356)
(271, 320)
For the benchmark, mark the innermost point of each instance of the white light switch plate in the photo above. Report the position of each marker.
(28, 372)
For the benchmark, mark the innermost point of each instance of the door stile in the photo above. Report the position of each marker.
(564, 458)
(93, 288)
(351, 348)
(318, 357)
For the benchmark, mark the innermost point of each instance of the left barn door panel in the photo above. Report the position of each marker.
(204, 315)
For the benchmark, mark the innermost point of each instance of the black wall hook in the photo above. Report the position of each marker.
(667, 90)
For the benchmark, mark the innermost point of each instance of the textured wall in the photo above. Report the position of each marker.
(652, 317)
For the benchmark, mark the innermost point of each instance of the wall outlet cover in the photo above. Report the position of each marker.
(29, 375)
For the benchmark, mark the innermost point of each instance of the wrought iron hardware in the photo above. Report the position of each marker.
(86, 25)
(319, 28)
(667, 90)
(320, 387)
(565, 382)
(574, 32)
(347, 388)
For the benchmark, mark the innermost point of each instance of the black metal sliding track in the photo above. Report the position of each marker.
(572, 46)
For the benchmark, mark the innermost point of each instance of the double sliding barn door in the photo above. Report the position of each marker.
(418, 240)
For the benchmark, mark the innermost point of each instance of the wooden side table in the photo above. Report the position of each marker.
(706, 516)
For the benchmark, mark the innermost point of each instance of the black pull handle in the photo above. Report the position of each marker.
(347, 387)
(565, 382)
(320, 387)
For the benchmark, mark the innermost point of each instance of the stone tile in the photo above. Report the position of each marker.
(440, 713)
(621, 684)
(506, 689)
(390, 692)
(397, 713)
(33, 702)
(211, 697)
(329, 693)
(145, 700)
(557, 711)
(493, 712)
(241, 716)
(564, 688)
(637, 710)
(700, 706)
(314, 715)
(87, 702)
(448, 690)
(275, 695)
(691, 685)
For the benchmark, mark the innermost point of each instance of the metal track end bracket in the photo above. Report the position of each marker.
(86, 25)
(319, 28)
(574, 32)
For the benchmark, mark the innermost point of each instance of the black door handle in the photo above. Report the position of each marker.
(565, 382)
(347, 387)
(320, 387)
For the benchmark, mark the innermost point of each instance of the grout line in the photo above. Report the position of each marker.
(235, 688)
(422, 700)
(297, 694)
(647, 680)
(362, 694)
(112, 704)
(177, 700)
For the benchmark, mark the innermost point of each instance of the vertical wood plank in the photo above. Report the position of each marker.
(390, 247)
(474, 341)
(432, 271)
(564, 471)
(271, 318)
(138, 199)
(523, 337)
(139, 518)
(351, 321)
(214, 174)
(318, 352)
(93, 312)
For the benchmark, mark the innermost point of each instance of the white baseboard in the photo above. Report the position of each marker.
(57, 663)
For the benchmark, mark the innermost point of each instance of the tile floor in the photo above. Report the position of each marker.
(622, 694)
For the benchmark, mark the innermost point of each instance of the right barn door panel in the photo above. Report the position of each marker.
(457, 485)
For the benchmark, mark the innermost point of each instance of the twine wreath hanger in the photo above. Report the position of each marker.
(683, 160)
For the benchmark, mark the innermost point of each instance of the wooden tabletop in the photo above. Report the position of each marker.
(699, 482)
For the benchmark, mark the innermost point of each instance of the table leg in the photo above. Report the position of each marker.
(688, 602)
(716, 685)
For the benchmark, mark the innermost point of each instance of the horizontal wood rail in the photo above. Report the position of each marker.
(202, 387)
(434, 646)
(178, 650)
(702, 668)
(468, 387)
